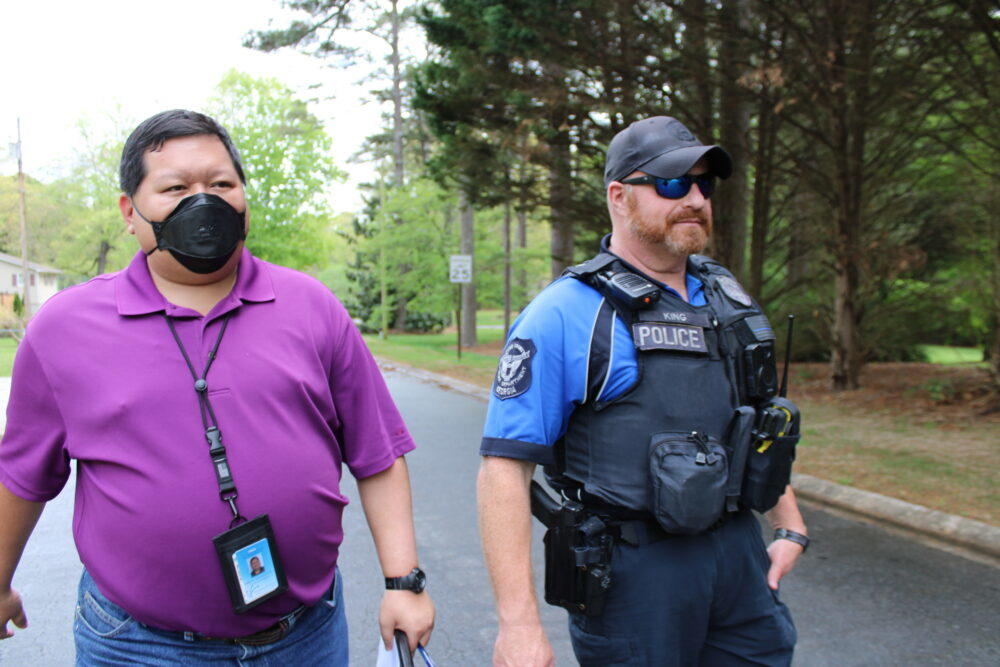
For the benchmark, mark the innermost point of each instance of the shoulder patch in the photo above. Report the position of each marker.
(734, 291)
(513, 376)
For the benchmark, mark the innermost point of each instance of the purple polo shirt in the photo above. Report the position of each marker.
(98, 378)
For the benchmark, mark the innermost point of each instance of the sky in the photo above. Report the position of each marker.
(66, 60)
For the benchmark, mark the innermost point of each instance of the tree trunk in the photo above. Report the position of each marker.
(702, 91)
(763, 165)
(468, 247)
(399, 314)
(994, 347)
(850, 76)
(560, 200)
(846, 357)
(730, 203)
(506, 267)
(522, 223)
(102, 257)
(397, 98)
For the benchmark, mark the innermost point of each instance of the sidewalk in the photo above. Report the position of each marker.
(977, 539)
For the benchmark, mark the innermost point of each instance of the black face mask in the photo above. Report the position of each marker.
(202, 232)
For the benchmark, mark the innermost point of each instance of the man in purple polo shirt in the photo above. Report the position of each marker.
(209, 399)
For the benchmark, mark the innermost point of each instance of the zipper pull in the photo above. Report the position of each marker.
(699, 439)
(704, 455)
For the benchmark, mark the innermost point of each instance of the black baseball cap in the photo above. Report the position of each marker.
(661, 146)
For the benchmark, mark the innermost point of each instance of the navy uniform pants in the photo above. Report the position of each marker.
(690, 600)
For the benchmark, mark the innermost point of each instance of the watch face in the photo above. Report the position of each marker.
(419, 581)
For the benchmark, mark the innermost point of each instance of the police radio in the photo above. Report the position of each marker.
(632, 291)
(779, 417)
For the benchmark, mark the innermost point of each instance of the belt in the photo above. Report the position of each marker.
(268, 635)
(639, 533)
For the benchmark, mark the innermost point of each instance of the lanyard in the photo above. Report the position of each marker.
(223, 475)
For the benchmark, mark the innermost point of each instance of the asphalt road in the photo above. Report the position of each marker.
(862, 596)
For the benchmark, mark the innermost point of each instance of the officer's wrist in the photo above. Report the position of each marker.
(793, 536)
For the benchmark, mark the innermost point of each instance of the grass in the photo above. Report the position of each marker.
(8, 346)
(436, 352)
(492, 318)
(948, 467)
(945, 354)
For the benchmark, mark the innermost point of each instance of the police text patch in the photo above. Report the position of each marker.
(513, 376)
(669, 336)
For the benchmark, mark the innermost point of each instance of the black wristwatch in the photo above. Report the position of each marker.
(798, 538)
(415, 581)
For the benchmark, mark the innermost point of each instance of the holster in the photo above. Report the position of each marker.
(578, 549)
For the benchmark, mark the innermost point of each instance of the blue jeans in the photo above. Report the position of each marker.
(690, 600)
(106, 634)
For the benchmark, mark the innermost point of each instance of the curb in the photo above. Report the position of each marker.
(976, 536)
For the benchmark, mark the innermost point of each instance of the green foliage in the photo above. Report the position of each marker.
(92, 239)
(285, 152)
(412, 228)
(18, 305)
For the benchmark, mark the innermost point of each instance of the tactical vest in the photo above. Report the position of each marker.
(692, 376)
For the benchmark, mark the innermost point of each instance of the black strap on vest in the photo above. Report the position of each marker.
(591, 266)
(223, 473)
(603, 332)
(599, 352)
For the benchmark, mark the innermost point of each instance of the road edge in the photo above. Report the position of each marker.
(976, 536)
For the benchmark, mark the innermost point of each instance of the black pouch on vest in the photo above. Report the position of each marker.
(768, 473)
(688, 474)
(578, 566)
(769, 465)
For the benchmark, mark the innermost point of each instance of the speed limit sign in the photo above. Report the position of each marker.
(460, 270)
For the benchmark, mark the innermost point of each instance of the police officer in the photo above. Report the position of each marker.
(625, 378)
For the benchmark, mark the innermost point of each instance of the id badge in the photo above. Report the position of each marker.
(250, 563)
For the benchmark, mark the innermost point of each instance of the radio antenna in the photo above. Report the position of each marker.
(788, 357)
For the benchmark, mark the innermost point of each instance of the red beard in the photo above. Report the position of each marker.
(681, 239)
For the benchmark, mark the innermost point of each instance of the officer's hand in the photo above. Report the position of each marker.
(410, 612)
(784, 554)
(522, 646)
(11, 610)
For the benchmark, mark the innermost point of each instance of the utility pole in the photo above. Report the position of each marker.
(25, 269)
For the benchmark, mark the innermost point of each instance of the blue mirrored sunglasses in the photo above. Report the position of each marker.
(676, 188)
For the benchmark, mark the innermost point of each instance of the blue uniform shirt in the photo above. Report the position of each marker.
(542, 376)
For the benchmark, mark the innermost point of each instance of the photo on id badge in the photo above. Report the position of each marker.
(255, 570)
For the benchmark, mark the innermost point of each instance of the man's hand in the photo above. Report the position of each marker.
(522, 646)
(783, 554)
(11, 610)
(407, 611)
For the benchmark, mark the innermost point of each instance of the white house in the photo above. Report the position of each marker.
(43, 281)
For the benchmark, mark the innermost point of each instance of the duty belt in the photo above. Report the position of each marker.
(634, 527)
